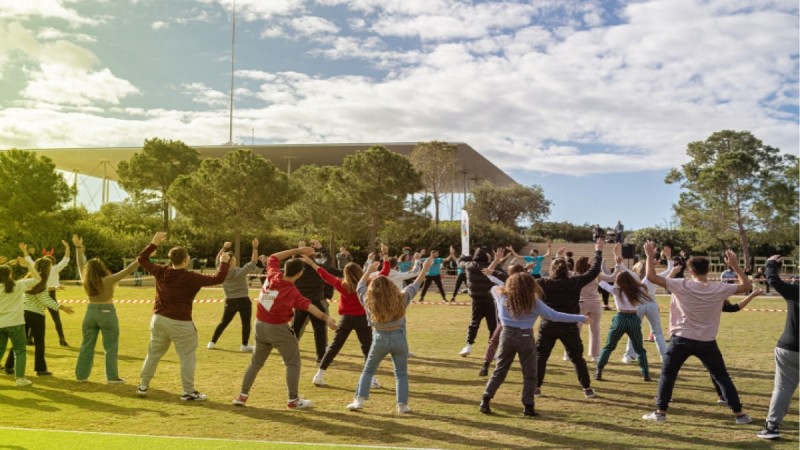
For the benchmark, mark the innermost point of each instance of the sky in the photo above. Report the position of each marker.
(593, 100)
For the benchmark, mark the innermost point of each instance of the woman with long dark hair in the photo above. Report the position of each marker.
(628, 295)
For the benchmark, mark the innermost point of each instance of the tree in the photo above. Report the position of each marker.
(318, 208)
(436, 162)
(375, 184)
(155, 168)
(31, 188)
(234, 194)
(507, 204)
(733, 185)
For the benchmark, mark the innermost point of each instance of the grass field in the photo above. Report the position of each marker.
(445, 392)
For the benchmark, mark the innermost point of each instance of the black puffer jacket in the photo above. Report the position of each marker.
(478, 285)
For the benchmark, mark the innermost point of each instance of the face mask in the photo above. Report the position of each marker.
(320, 261)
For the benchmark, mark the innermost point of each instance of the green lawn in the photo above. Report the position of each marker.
(445, 391)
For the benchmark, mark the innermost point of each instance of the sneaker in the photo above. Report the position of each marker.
(588, 393)
(655, 417)
(565, 357)
(374, 384)
(628, 359)
(721, 401)
(44, 373)
(193, 397)
(769, 433)
(318, 380)
(211, 345)
(22, 382)
(81, 381)
(743, 419)
(598, 375)
(63, 343)
(114, 381)
(240, 400)
(402, 408)
(484, 372)
(485, 406)
(452, 300)
(9, 370)
(537, 392)
(529, 411)
(358, 403)
(466, 350)
(247, 348)
(298, 403)
(593, 358)
(141, 391)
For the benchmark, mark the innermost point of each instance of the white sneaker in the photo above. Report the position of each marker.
(247, 348)
(565, 357)
(358, 403)
(655, 417)
(318, 380)
(298, 403)
(374, 384)
(466, 350)
(627, 359)
(22, 382)
(402, 408)
(211, 345)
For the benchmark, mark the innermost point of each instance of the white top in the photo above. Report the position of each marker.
(12, 312)
(620, 300)
(54, 280)
(651, 288)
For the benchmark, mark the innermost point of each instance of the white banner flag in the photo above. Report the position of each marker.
(465, 233)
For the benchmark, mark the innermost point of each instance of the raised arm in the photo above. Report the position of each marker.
(549, 248)
(26, 261)
(744, 281)
(80, 255)
(308, 251)
(745, 301)
(650, 254)
(789, 291)
(254, 254)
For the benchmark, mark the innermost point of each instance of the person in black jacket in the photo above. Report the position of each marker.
(315, 289)
(786, 353)
(562, 293)
(479, 288)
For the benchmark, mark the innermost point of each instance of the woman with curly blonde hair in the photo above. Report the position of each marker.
(518, 306)
(386, 305)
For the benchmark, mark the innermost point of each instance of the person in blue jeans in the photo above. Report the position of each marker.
(386, 311)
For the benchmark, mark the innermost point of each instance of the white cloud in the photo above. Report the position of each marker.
(49, 33)
(312, 25)
(159, 25)
(64, 85)
(201, 93)
(252, 10)
(21, 10)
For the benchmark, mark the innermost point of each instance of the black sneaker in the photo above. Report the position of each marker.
(769, 433)
(193, 397)
(485, 408)
(598, 375)
(484, 370)
(529, 411)
(9, 370)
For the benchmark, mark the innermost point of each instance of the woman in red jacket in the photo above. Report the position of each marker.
(352, 316)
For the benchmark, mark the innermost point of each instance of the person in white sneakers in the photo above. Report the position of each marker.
(277, 303)
(694, 314)
(237, 297)
(12, 314)
(386, 311)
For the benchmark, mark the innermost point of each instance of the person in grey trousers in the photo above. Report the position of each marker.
(786, 353)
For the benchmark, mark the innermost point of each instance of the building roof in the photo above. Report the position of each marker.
(101, 162)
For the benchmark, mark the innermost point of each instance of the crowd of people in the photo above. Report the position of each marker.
(508, 293)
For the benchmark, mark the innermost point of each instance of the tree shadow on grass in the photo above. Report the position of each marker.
(49, 398)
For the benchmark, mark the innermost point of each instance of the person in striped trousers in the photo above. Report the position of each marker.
(628, 295)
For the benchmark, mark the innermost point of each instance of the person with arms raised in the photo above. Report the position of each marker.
(277, 304)
(176, 288)
(694, 313)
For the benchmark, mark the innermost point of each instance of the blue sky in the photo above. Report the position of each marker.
(593, 100)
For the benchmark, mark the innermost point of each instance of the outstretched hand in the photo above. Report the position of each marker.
(308, 251)
(23, 247)
(225, 257)
(77, 240)
(598, 244)
(160, 237)
(650, 249)
(487, 271)
(66, 309)
(733, 261)
(775, 258)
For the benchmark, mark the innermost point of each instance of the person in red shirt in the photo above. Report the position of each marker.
(277, 302)
(176, 288)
